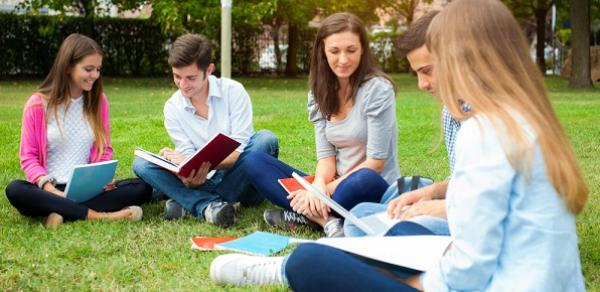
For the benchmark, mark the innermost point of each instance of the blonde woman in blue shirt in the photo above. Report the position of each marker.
(515, 190)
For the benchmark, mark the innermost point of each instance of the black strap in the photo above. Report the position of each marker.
(414, 182)
(401, 185)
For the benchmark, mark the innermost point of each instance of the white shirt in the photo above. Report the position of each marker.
(69, 142)
(229, 112)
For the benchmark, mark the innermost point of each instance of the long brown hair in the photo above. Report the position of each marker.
(322, 80)
(56, 87)
(481, 56)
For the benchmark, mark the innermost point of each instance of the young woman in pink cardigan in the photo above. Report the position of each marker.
(66, 123)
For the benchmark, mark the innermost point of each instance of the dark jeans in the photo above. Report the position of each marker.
(34, 202)
(315, 267)
(263, 171)
(229, 185)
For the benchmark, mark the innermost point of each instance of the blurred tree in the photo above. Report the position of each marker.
(580, 44)
(84, 8)
(537, 9)
(404, 8)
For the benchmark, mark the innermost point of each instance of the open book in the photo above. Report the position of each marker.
(88, 180)
(291, 184)
(208, 243)
(373, 225)
(258, 243)
(419, 252)
(215, 151)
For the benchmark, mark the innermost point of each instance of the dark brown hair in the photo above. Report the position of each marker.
(415, 36)
(190, 49)
(57, 86)
(322, 80)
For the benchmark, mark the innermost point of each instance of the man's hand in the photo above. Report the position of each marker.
(172, 155)
(435, 208)
(196, 177)
(397, 206)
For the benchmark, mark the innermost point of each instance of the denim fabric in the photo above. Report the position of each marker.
(315, 267)
(229, 185)
(263, 171)
(437, 225)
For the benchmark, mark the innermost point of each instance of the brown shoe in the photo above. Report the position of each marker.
(53, 220)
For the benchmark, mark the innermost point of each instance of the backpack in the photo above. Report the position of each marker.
(405, 184)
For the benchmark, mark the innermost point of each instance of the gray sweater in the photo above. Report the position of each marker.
(369, 130)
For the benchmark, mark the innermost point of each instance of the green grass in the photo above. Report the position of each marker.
(155, 254)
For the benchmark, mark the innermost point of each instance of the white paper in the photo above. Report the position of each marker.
(416, 252)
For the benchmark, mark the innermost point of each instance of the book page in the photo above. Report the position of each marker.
(414, 252)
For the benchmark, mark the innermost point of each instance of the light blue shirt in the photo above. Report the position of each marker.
(509, 233)
(229, 112)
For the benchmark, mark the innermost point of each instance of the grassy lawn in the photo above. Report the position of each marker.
(155, 254)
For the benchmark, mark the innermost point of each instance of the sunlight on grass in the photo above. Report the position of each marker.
(155, 254)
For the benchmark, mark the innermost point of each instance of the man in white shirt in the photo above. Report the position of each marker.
(203, 106)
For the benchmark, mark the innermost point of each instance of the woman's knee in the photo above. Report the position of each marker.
(13, 189)
(366, 179)
(304, 258)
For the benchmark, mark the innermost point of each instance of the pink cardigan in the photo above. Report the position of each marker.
(33, 151)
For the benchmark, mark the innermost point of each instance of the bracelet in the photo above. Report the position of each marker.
(45, 179)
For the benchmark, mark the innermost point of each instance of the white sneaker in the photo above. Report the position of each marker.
(239, 269)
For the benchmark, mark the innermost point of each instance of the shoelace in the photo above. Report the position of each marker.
(294, 217)
(261, 273)
(332, 227)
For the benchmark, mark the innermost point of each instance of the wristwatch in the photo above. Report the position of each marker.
(45, 179)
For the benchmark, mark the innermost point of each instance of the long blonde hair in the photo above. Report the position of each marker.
(56, 87)
(481, 57)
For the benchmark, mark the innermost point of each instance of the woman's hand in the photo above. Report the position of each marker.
(305, 203)
(49, 187)
(110, 186)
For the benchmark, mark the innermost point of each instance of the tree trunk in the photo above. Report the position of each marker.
(291, 68)
(580, 42)
(275, 27)
(540, 16)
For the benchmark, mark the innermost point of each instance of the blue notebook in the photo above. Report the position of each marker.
(88, 180)
(258, 243)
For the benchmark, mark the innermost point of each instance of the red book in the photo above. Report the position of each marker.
(291, 184)
(208, 243)
(215, 151)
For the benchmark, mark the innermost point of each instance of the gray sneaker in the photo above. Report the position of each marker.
(174, 211)
(219, 213)
(334, 228)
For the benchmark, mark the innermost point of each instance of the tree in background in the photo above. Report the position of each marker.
(84, 8)
(580, 44)
(404, 8)
(538, 10)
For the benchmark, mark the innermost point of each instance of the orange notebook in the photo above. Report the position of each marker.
(208, 243)
(291, 184)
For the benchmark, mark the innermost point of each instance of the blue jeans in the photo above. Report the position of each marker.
(229, 185)
(263, 171)
(437, 225)
(309, 267)
(315, 267)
